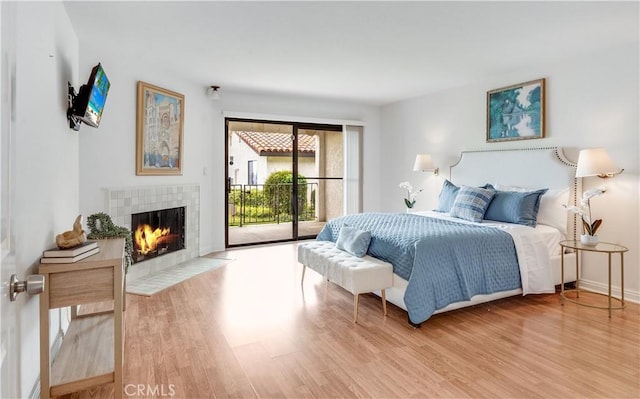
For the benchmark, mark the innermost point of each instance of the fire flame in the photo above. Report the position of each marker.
(147, 239)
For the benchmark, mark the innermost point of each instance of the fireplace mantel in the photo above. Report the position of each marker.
(123, 201)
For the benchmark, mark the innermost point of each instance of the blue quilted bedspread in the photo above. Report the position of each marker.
(443, 261)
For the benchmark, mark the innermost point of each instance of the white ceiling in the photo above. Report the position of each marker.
(371, 52)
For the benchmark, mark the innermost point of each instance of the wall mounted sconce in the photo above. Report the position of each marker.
(423, 163)
(596, 162)
(213, 93)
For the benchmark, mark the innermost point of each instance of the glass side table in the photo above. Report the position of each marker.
(602, 247)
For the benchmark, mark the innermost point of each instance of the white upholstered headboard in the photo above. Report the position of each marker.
(545, 167)
(530, 167)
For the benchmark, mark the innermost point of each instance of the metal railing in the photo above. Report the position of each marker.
(251, 204)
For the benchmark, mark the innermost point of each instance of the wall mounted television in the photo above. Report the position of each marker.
(88, 104)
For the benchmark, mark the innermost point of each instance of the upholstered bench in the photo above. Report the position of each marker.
(354, 274)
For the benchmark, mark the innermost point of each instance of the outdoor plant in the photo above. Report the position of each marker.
(277, 190)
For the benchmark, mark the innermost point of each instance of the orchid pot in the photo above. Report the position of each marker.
(587, 239)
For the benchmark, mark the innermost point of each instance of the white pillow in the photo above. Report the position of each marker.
(552, 212)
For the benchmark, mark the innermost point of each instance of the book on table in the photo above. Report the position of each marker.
(71, 252)
(70, 259)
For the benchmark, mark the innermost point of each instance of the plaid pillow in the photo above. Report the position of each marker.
(471, 203)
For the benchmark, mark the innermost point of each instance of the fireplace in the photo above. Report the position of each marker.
(156, 233)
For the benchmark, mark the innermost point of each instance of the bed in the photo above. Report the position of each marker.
(445, 259)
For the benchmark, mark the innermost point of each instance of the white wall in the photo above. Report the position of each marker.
(592, 101)
(242, 154)
(46, 160)
(107, 154)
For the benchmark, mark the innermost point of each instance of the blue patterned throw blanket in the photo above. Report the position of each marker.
(444, 261)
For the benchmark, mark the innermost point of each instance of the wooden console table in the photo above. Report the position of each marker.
(92, 350)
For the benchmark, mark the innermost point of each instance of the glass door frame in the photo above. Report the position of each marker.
(295, 214)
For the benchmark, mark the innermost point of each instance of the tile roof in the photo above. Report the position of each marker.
(266, 143)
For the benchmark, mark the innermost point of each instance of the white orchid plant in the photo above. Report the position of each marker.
(584, 210)
(410, 200)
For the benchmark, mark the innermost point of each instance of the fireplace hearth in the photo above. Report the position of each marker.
(156, 233)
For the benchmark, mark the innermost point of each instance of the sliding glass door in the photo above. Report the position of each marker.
(320, 183)
(265, 202)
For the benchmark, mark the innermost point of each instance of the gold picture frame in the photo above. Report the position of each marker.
(516, 112)
(159, 131)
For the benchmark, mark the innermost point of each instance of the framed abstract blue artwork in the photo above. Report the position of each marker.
(516, 112)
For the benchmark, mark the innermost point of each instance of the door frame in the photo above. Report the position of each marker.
(9, 351)
(296, 126)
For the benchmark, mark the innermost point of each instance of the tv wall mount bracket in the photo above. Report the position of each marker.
(74, 122)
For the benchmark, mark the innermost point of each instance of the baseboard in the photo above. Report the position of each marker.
(55, 348)
(629, 295)
(57, 344)
(35, 392)
(208, 250)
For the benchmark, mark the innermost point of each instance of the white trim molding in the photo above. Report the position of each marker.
(289, 118)
(601, 288)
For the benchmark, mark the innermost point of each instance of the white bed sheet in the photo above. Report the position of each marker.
(534, 248)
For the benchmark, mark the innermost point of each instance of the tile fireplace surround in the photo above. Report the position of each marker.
(122, 202)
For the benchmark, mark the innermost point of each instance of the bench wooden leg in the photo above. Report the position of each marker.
(304, 269)
(355, 307)
(384, 302)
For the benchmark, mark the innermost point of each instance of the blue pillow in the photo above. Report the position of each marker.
(515, 207)
(471, 203)
(354, 241)
(447, 196)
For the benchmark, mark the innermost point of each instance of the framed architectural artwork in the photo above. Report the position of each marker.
(159, 131)
(516, 112)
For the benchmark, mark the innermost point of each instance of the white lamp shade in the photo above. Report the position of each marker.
(595, 162)
(423, 162)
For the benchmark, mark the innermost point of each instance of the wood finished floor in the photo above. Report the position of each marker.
(247, 331)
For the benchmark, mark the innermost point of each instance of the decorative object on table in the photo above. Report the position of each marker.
(71, 252)
(584, 210)
(70, 259)
(410, 200)
(516, 112)
(424, 163)
(159, 131)
(72, 238)
(596, 162)
(101, 226)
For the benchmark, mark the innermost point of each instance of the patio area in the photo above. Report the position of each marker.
(271, 232)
